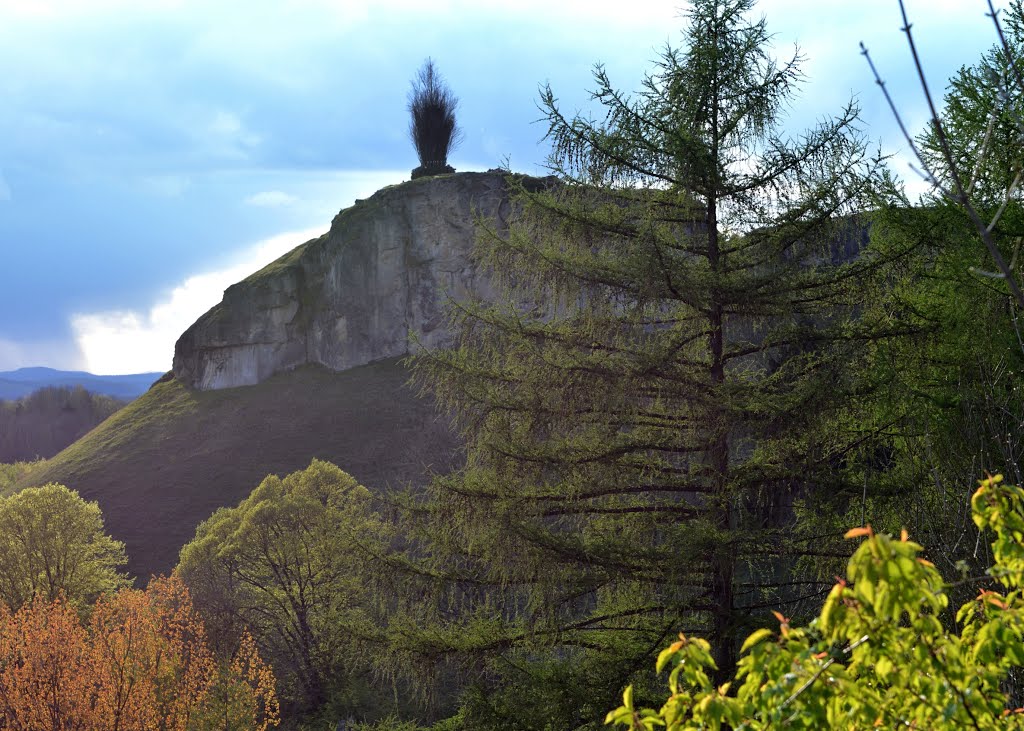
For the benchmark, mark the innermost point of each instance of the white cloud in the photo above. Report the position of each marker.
(225, 135)
(225, 124)
(131, 341)
(271, 199)
(125, 341)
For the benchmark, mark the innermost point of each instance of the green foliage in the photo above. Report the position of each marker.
(940, 402)
(877, 655)
(52, 543)
(655, 381)
(391, 723)
(982, 120)
(11, 473)
(294, 565)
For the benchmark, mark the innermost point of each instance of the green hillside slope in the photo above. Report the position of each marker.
(166, 461)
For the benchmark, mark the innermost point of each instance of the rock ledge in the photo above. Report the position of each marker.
(353, 295)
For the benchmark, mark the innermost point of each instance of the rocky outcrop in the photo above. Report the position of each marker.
(355, 294)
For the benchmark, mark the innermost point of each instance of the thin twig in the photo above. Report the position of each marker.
(994, 14)
(818, 674)
(961, 197)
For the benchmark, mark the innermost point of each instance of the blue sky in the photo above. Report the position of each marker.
(152, 152)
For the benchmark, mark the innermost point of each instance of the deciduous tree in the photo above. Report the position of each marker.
(52, 543)
(947, 391)
(141, 663)
(293, 565)
(878, 654)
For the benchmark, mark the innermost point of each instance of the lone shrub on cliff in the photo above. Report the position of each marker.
(433, 129)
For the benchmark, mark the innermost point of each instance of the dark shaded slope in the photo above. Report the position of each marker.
(169, 459)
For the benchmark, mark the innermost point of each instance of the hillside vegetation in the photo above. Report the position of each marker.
(165, 462)
(673, 399)
(41, 424)
(11, 474)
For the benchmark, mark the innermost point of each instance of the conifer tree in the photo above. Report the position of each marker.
(661, 376)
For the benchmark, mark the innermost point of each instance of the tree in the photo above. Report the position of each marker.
(662, 374)
(49, 419)
(10, 473)
(433, 129)
(877, 655)
(946, 391)
(294, 566)
(52, 544)
(43, 667)
(241, 695)
(141, 662)
(977, 171)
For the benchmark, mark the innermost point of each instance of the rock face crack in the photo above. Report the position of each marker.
(353, 295)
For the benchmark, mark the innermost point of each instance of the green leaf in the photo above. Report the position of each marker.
(755, 637)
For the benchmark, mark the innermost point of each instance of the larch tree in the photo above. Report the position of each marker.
(663, 373)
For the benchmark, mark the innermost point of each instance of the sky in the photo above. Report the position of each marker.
(153, 152)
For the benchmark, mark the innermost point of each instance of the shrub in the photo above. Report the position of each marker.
(433, 129)
(878, 655)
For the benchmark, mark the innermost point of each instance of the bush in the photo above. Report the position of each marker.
(433, 129)
(878, 655)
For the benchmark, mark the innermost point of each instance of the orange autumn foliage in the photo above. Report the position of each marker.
(141, 663)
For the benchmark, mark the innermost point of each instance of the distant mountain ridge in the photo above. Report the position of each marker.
(23, 381)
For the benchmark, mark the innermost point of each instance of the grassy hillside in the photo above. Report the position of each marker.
(166, 461)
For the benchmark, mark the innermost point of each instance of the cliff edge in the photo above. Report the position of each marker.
(353, 295)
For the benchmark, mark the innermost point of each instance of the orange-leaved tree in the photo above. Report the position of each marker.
(43, 668)
(141, 663)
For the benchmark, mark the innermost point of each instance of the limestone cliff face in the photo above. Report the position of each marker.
(353, 295)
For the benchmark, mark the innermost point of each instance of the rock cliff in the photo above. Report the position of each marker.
(353, 295)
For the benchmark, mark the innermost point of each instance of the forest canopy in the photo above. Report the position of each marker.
(719, 365)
